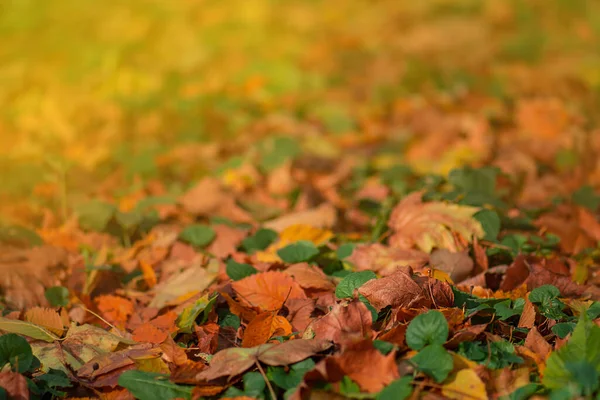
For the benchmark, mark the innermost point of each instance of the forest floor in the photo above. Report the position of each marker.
(257, 199)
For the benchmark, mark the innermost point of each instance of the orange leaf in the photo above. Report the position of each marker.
(47, 318)
(362, 362)
(148, 273)
(114, 309)
(261, 328)
(268, 290)
(149, 333)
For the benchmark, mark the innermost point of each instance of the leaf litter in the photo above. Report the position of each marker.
(375, 215)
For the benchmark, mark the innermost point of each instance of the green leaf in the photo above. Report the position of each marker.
(586, 196)
(562, 329)
(494, 355)
(292, 378)
(544, 294)
(188, 316)
(504, 310)
(546, 298)
(524, 392)
(427, 329)
(237, 271)
(348, 386)
(27, 329)
(351, 282)
(198, 235)
(583, 346)
(57, 296)
(152, 386)
(229, 320)
(15, 350)
(94, 215)
(345, 250)
(262, 239)
(490, 221)
(254, 384)
(384, 347)
(434, 361)
(300, 251)
(400, 389)
(18, 235)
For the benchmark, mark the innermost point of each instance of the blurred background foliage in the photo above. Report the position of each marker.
(98, 97)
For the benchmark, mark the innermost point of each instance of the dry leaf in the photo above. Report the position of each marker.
(15, 385)
(115, 309)
(429, 225)
(203, 198)
(396, 290)
(310, 277)
(365, 365)
(464, 384)
(457, 265)
(324, 216)
(263, 327)
(385, 260)
(267, 290)
(343, 322)
(46, 318)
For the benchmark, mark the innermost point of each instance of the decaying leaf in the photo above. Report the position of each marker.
(268, 290)
(428, 225)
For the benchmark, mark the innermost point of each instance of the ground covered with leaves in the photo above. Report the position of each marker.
(259, 199)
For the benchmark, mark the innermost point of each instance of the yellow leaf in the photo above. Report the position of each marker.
(464, 384)
(47, 318)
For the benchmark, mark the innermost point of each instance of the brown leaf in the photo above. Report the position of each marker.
(15, 385)
(234, 361)
(268, 290)
(527, 318)
(203, 198)
(467, 334)
(396, 335)
(458, 265)
(396, 290)
(343, 322)
(429, 225)
(47, 318)
(324, 216)
(261, 328)
(226, 241)
(536, 343)
(25, 274)
(385, 260)
(300, 311)
(310, 277)
(366, 366)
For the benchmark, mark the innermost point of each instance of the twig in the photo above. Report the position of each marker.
(262, 372)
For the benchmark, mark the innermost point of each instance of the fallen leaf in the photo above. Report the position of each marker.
(15, 385)
(429, 225)
(536, 343)
(345, 321)
(324, 216)
(365, 365)
(234, 361)
(457, 265)
(464, 384)
(310, 277)
(527, 318)
(193, 279)
(267, 290)
(203, 198)
(385, 260)
(396, 290)
(25, 274)
(46, 318)
(263, 327)
(226, 242)
(115, 309)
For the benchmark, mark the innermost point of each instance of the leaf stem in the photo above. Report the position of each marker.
(262, 372)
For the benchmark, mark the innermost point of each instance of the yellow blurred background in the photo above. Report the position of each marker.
(100, 96)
